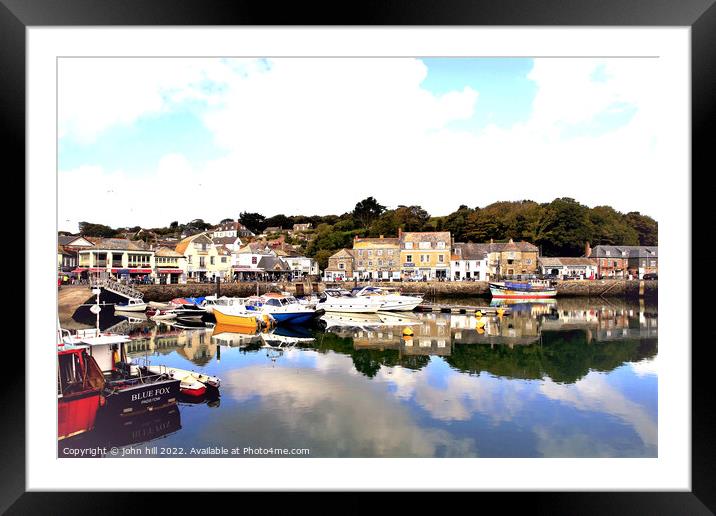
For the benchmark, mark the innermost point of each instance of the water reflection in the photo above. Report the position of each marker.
(572, 378)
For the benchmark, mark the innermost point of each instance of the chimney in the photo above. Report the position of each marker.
(400, 232)
(511, 242)
(587, 251)
(381, 236)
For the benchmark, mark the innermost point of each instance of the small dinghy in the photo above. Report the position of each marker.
(191, 383)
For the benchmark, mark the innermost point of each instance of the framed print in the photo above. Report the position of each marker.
(421, 252)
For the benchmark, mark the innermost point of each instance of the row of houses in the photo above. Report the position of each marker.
(434, 256)
(218, 253)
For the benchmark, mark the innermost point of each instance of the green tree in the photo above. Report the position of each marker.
(564, 228)
(96, 230)
(253, 221)
(646, 228)
(366, 211)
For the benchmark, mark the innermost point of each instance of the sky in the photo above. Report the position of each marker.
(148, 141)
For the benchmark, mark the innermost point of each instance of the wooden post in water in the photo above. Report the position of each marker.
(218, 287)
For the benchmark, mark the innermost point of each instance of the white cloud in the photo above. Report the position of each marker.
(317, 135)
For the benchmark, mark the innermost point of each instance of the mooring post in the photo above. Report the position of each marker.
(218, 287)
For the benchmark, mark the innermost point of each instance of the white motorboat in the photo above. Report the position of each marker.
(132, 305)
(340, 300)
(285, 309)
(392, 299)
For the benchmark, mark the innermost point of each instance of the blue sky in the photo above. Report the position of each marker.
(217, 124)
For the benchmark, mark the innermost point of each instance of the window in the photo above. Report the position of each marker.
(211, 260)
(360, 252)
(370, 253)
(509, 262)
(424, 245)
(188, 260)
(441, 245)
(528, 261)
(379, 252)
(380, 263)
(360, 263)
(370, 263)
(202, 261)
(409, 258)
(441, 258)
(254, 260)
(390, 252)
(390, 263)
(341, 266)
(408, 245)
(223, 259)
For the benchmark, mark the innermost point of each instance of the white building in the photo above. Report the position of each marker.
(584, 268)
(302, 266)
(468, 262)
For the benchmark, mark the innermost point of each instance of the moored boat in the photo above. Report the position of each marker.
(239, 316)
(191, 382)
(132, 305)
(521, 290)
(80, 383)
(128, 389)
(392, 300)
(340, 300)
(285, 309)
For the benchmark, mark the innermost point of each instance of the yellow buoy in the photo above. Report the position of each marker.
(500, 312)
(408, 332)
(478, 314)
(480, 324)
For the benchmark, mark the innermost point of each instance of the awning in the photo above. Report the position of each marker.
(140, 271)
(90, 269)
(247, 269)
(169, 271)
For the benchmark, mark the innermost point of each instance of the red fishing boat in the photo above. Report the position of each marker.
(80, 383)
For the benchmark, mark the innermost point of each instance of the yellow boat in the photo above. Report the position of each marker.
(229, 315)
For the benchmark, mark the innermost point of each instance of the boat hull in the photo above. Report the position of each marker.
(250, 322)
(293, 317)
(129, 401)
(77, 414)
(141, 307)
(504, 292)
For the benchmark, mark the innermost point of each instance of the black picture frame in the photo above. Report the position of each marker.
(700, 15)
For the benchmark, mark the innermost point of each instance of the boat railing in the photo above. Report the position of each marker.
(118, 288)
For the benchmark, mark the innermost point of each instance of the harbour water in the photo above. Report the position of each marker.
(563, 378)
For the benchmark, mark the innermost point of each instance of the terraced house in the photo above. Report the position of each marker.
(376, 258)
(621, 261)
(512, 259)
(204, 259)
(171, 266)
(425, 255)
(340, 266)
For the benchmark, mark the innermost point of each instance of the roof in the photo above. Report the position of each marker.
(223, 250)
(227, 226)
(364, 243)
(272, 263)
(499, 247)
(167, 252)
(631, 251)
(119, 244)
(69, 239)
(342, 253)
(426, 236)
(566, 261)
(470, 251)
(225, 240)
(181, 246)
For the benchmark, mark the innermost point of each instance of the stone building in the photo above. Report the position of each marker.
(512, 260)
(377, 258)
(620, 261)
(340, 266)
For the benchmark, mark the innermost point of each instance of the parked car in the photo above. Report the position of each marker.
(650, 275)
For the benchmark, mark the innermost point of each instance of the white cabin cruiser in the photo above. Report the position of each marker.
(340, 300)
(392, 299)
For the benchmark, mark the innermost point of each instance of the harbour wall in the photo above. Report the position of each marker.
(584, 288)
